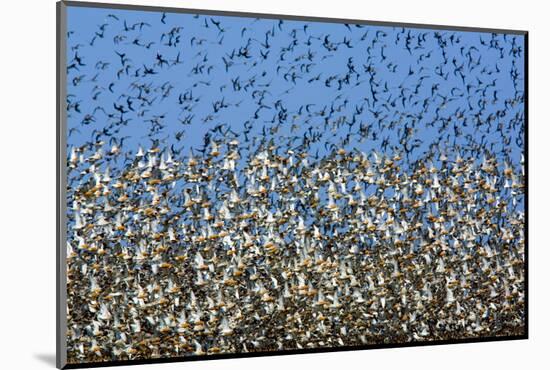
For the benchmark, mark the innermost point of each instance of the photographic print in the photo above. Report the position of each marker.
(237, 184)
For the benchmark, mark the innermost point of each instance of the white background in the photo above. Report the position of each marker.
(27, 182)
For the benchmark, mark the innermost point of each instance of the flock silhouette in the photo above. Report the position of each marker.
(238, 184)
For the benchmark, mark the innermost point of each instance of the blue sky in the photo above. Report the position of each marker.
(450, 81)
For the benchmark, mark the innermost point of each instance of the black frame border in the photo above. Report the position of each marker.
(61, 294)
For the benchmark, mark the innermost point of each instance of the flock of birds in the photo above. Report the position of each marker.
(241, 185)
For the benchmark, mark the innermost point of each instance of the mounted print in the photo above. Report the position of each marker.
(235, 184)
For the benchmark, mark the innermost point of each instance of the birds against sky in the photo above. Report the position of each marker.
(239, 184)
